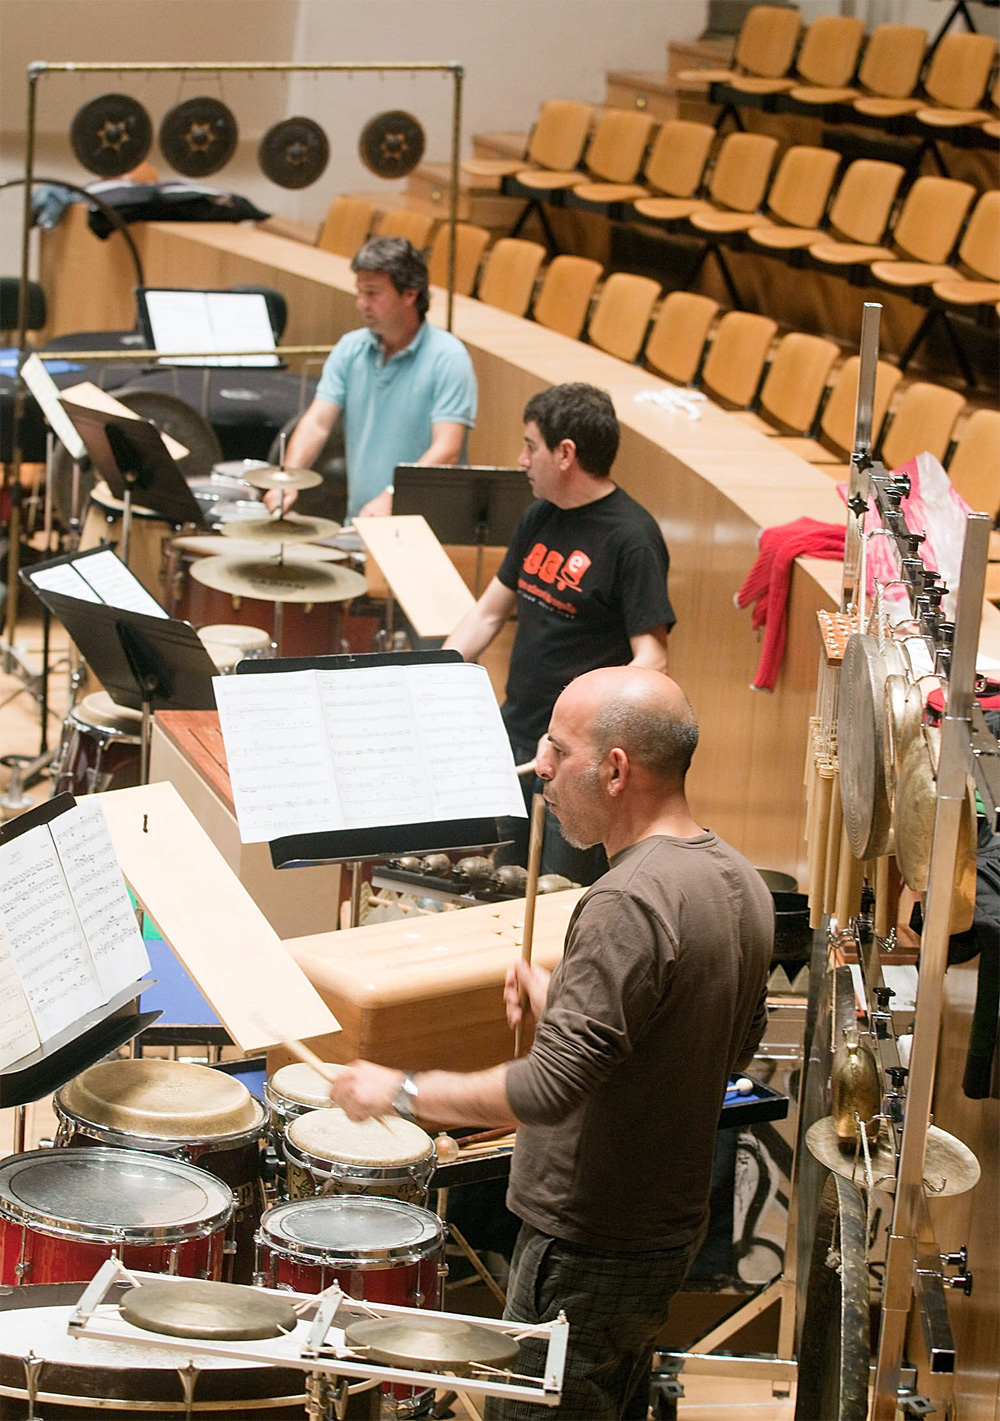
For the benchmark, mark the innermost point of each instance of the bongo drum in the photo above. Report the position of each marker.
(64, 1212)
(195, 1114)
(292, 1091)
(228, 645)
(149, 532)
(326, 1153)
(102, 746)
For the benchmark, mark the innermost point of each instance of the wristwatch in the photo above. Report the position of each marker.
(405, 1100)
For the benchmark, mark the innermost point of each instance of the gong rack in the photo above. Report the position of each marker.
(913, 1268)
(318, 1345)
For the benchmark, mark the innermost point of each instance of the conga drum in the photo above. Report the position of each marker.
(229, 645)
(192, 1113)
(102, 746)
(327, 1153)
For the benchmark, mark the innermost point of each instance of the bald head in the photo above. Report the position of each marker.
(641, 711)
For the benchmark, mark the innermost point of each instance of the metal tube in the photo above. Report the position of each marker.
(456, 138)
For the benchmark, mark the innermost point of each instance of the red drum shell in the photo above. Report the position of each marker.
(102, 523)
(99, 755)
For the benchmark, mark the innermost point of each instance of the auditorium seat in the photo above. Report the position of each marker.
(564, 296)
(738, 181)
(621, 314)
(859, 211)
(942, 121)
(347, 223)
(403, 222)
(614, 155)
(674, 168)
(735, 360)
(470, 244)
(834, 438)
(828, 55)
(677, 339)
(976, 258)
(956, 78)
(974, 466)
(926, 229)
(557, 141)
(794, 384)
(509, 274)
(921, 423)
(765, 48)
(797, 198)
(890, 68)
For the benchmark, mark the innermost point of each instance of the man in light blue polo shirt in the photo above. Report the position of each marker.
(407, 389)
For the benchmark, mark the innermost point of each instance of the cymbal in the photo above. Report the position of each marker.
(274, 476)
(280, 582)
(950, 1167)
(431, 1344)
(215, 1311)
(289, 528)
(212, 545)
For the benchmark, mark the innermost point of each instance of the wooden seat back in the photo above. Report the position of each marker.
(979, 248)
(619, 145)
(678, 156)
(922, 423)
(802, 185)
(678, 335)
(829, 51)
(838, 418)
(890, 66)
(766, 46)
(347, 223)
(509, 274)
(564, 296)
(739, 178)
(863, 201)
(931, 218)
(794, 384)
(470, 244)
(960, 70)
(974, 467)
(402, 222)
(560, 133)
(621, 315)
(735, 359)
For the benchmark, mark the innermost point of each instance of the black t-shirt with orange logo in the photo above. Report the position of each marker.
(587, 579)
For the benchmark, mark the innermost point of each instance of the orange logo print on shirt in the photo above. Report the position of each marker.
(550, 567)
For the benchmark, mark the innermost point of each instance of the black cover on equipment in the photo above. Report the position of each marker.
(171, 202)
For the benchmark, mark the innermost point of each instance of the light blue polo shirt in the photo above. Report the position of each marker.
(390, 405)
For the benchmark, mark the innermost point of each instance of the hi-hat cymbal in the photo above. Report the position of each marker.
(274, 476)
(216, 1311)
(289, 528)
(280, 582)
(431, 1344)
(950, 1167)
(211, 545)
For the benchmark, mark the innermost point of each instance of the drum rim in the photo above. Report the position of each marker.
(419, 1170)
(16, 1212)
(153, 1144)
(278, 1101)
(104, 733)
(392, 1256)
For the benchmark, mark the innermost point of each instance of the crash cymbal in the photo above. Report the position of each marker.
(950, 1167)
(289, 528)
(216, 1311)
(280, 582)
(391, 144)
(198, 136)
(273, 476)
(111, 135)
(247, 550)
(431, 1344)
(294, 152)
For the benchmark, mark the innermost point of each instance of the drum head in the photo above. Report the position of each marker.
(98, 1194)
(166, 1100)
(101, 712)
(299, 1083)
(351, 1230)
(381, 1144)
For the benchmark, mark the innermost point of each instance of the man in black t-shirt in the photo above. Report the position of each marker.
(587, 570)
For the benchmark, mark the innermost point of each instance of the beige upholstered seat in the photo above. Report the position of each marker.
(678, 335)
(402, 222)
(470, 244)
(836, 423)
(974, 467)
(859, 211)
(347, 223)
(922, 423)
(508, 279)
(621, 314)
(674, 168)
(557, 141)
(890, 68)
(564, 296)
(765, 48)
(956, 78)
(798, 194)
(735, 360)
(794, 383)
(738, 181)
(926, 229)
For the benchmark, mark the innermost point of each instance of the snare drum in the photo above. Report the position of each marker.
(63, 1212)
(326, 1153)
(101, 746)
(378, 1250)
(229, 645)
(149, 532)
(190, 1112)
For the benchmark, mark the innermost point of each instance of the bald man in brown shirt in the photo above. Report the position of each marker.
(659, 997)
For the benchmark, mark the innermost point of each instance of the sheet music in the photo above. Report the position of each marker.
(46, 392)
(45, 936)
(65, 580)
(18, 1036)
(115, 585)
(212, 322)
(310, 751)
(101, 898)
(277, 755)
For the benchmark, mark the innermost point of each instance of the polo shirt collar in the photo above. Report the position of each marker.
(376, 346)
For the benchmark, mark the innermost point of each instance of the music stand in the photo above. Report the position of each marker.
(130, 455)
(472, 505)
(355, 847)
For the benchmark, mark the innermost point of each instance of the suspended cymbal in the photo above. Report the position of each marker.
(218, 1311)
(950, 1167)
(274, 476)
(280, 582)
(431, 1344)
(250, 550)
(289, 528)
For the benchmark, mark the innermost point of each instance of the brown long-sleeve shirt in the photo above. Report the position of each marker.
(658, 998)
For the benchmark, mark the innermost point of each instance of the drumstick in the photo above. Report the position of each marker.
(309, 1058)
(531, 891)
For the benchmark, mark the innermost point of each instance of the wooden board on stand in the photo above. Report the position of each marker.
(423, 579)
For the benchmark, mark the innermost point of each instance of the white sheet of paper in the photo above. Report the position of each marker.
(65, 580)
(100, 896)
(115, 585)
(45, 936)
(213, 322)
(310, 751)
(46, 392)
(18, 1036)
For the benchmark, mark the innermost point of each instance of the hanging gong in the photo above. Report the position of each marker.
(198, 137)
(391, 144)
(294, 152)
(111, 135)
(866, 792)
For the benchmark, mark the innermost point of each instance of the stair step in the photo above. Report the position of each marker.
(507, 144)
(649, 92)
(714, 53)
(427, 191)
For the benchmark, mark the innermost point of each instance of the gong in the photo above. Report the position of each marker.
(391, 144)
(215, 1311)
(294, 152)
(198, 136)
(111, 135)
(432, 1344)
(866, 792)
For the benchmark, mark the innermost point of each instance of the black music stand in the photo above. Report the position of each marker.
(367, 845)
(472, 505)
